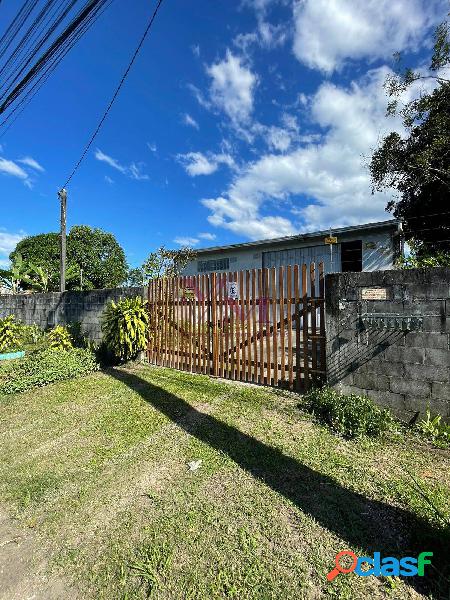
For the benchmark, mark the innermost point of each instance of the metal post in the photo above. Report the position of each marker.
(62, 194)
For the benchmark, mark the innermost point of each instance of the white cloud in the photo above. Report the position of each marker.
(196, 50)
(112, 162)
(8, 242)
(232, 87)
(109, 180)
(31, 162)
(197, 163)
(134, 170)
(207, 236)
(190, 121)
(329, 32)
(186, 241)
(323, 184)
(152, 147)
(9, 167)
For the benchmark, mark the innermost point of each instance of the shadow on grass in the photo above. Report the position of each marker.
(363, 523)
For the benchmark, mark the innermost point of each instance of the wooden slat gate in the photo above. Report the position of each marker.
(263, 326)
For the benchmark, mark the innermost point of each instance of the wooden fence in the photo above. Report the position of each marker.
(263, 326)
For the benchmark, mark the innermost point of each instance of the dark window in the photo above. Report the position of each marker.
(219, 264)
(351, 256)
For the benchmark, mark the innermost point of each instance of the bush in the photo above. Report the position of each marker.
(59, 338)
(125, 327)
(46, 366)
(349, 415)
(9, 334)
(435, 429)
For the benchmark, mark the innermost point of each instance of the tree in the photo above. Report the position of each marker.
(95, 260)
(417, 165)
(98, 255)
(14, 278)
(167, 263)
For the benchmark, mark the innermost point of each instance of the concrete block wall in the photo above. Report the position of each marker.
(56, 308)
(404, 371)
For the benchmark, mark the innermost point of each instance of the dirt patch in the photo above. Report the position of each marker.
(24, 573)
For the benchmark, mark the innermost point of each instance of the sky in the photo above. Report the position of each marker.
(240, 120)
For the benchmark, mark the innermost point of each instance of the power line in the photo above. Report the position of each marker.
(56, 49)
(116, 93)
(47, 71)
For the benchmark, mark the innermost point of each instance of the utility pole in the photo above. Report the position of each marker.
(62, 194)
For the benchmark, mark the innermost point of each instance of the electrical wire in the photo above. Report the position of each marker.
(116, 93)
(86, 14)
(29, 95)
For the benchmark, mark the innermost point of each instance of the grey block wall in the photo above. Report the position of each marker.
(56, 308)
(406, 371)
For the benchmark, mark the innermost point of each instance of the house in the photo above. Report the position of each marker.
(367, 247)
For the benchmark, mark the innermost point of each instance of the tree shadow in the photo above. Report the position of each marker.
(363, 523)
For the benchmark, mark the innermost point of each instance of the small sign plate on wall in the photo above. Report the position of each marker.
(374, 294)
(233, 291)
(331, 240)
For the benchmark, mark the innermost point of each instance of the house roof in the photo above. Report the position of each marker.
(390, 224)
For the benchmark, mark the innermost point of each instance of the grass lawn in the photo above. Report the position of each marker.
(98, 468)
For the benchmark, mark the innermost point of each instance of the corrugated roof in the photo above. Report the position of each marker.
(301, 237)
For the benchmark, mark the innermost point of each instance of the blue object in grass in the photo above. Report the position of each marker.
(11, 355)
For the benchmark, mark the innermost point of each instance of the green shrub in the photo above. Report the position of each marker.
(59, 338)
(46, 366)
(349, 415)
(30, 336)
(9, 334)
(125, 327)
(435, 429)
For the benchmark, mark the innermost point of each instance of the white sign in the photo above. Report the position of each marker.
(374, 294)
(233, 290)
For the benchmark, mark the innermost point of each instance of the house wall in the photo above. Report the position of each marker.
(406, 371)
(56, 308)
(378, 253)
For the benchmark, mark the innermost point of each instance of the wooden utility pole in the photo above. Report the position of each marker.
(62, 194)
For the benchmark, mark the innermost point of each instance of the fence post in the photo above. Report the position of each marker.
(214, 324)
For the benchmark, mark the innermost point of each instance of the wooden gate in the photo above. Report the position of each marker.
(263, 326)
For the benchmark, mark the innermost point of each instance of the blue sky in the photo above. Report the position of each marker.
(241, 119)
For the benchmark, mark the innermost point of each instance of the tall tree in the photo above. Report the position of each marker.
(417, 164)
(95, 260)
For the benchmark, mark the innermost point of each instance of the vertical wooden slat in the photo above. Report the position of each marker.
(202, 321)
(208, 321)
(312, 276)
(166, 322)
(248, 370)
(226, 317)
(184, 325)
(214, 323)
(305, 329)
(267, 311)
(297, 325)
(167, 305)
(282, 335)
(190, 330)
(322, 318)
(163, 322)
(172, 322)
(254, 329)
(220, 329)
(150, 319)
(274, 302)
(177, 323)
(261, 326)
(232, 334)
(289, 324)
(237, 307)
(197, 346)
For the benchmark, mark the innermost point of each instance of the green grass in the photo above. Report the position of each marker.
(98, 467)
